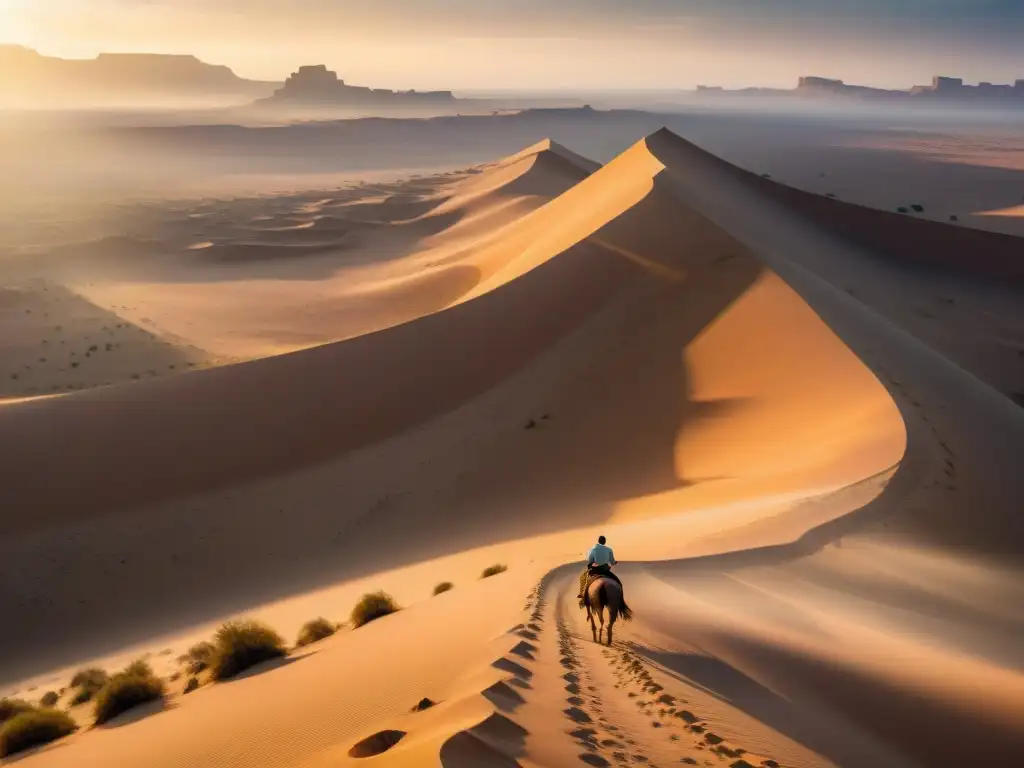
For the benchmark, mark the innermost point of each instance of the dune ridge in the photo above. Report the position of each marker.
(935, 244)
(302, 270)
(648, 353)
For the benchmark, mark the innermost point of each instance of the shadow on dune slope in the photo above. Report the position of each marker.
(630, 351)
(901, 615)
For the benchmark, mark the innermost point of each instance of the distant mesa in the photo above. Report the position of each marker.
(137, 76)
(319, 85)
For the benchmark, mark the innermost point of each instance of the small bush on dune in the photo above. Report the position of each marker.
(243, 644)
(126, 691)
(493, 570)
(87, 683)
(32, 729)
(90, 675)
(373, 606)
(314, 631)
(199, 657)
(444, 586)
(49, 699)
(139, 668)
(191, 685)
(10, 708)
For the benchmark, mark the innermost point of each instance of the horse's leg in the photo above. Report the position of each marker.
(612, 614)
(600, 614)
(593, 627)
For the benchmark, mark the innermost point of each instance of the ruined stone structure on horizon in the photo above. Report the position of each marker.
(941, 88)
(317, 84)
(953, 87)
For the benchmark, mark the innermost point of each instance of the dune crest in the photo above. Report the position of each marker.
(659, 350)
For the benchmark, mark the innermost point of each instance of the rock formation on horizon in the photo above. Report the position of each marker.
(941, 89)
(319, 85)
(31, 77)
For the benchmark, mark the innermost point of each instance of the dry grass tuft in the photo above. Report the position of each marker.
(33, 728)
(373, 606)
(239, 645)
(314, 631)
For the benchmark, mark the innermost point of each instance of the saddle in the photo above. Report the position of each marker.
(592, 575)
(624, 610)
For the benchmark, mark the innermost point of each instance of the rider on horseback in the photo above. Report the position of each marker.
(600, 559)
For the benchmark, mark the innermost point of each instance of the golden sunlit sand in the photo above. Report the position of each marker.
(288, 403)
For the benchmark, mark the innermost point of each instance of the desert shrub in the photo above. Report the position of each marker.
(49, 698)
(493, 570)
(199, 657)
(192, 684)
(12, 708)
(83, 694)
(126, 691)
(33, 728)
(373, 606)
(243, 644)
(87, 683)
(444, 586)
(139, 668)
(314, 631)
(90, 676)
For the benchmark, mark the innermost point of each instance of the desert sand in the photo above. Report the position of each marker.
(813, 486)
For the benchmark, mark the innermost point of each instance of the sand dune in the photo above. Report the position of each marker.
(57, 341)
(251, 278)
(818, 509)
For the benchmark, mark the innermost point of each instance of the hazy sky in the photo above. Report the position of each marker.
(549, 43)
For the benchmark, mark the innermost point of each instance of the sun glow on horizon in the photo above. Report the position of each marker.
(12, 26)
(583, 46)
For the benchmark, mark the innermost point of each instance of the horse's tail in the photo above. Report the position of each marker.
(624, 611)
(621, 610)
(602, 596)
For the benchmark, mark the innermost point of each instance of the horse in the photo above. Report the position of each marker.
(603, 593)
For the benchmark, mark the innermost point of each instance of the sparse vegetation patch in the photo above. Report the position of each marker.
(239, 645)
(314, 631)
(87, 683)
(125, 691)
(32, 729)
(140, 668)
(10, 708)
(198, 657)
(493, 570)
(373, 606)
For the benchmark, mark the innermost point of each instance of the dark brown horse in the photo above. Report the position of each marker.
(601, 594)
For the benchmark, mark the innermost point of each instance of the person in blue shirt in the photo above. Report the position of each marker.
(600, 560)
